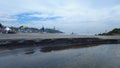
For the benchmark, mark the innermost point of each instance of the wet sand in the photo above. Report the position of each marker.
(40, 35)
(51, 36)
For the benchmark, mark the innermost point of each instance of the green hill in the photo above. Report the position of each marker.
(48, 30)
(115, 31)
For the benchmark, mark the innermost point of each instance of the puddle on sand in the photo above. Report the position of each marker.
(101, 56)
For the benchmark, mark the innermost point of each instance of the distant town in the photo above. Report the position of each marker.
(26, 29)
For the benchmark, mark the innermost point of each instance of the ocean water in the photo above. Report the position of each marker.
(99, 56)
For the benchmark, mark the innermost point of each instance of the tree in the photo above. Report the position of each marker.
(1, 26)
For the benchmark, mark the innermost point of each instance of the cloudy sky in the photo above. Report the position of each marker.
(78, 16)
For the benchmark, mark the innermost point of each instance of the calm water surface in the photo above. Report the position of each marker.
(101, 56)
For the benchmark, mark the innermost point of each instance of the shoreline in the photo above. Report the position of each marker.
(54, 39)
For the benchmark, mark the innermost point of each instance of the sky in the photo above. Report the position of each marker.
(85, 17)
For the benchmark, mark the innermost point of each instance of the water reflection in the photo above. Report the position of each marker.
(58, 48)
(29, 51)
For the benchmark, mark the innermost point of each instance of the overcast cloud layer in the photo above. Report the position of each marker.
(79, 16)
